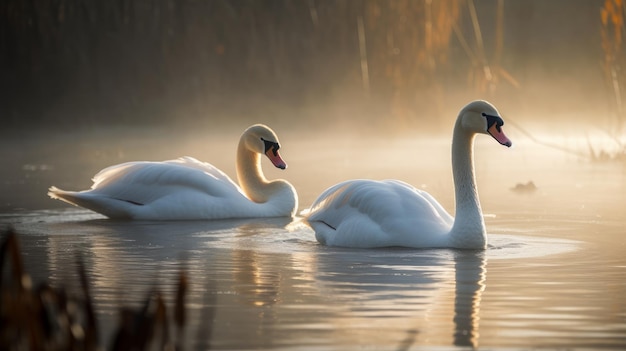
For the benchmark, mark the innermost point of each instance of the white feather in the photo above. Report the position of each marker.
(186, 188)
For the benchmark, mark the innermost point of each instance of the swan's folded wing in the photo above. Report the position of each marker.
(445, 216)
(391, 204)
(144, 182)
(206, 167)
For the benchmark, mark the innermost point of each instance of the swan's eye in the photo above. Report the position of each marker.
(271, 145)
(491, 120)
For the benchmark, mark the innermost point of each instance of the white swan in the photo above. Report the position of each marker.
(186, 188)
(369, 213)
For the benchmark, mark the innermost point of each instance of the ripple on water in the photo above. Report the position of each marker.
(504, 246)
(267, 235)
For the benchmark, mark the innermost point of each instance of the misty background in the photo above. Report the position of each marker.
(384, 64)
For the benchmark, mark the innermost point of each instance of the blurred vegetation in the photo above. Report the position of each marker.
(108, 60)
(144, 61)
(45, 317)
(612, 19)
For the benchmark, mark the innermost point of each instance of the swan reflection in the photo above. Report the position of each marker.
(127, 258)
(404, 294)
(270, 278)
(470, 274)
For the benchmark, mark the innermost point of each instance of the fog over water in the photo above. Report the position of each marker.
(357, 89)
(550, 250)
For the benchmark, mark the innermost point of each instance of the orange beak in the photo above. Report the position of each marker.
(275, 158)
(498, 134)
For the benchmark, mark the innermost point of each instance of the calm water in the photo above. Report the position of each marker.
(554, 276)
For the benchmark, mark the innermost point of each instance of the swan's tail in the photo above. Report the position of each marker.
(109, 207)
(66, 196)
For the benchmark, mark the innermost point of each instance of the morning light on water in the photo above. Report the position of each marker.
(385, 205)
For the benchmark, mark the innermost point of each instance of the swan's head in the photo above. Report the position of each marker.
(482, 117)
(261, 139)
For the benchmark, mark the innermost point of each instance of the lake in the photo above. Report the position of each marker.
(553, 277)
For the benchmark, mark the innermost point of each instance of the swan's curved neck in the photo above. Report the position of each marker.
(249, 173)
(469, 226)
(275, 198)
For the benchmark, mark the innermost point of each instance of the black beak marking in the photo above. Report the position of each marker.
(491, 120)
(271, 145)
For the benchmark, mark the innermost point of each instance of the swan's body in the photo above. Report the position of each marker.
(186, 188)
(368, 213)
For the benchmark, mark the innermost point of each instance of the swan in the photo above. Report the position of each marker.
(186, 189)
(368, 213)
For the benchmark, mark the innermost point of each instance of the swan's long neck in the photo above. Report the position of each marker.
(249, 173)
(276, 198)
(469, 227)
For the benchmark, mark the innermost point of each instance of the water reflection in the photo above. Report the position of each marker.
(405, 294)
(205, 323)
(470, 274)
(125, 259)
(268, 277)
(268, 284)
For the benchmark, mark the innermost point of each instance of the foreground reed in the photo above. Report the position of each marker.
(49, 318)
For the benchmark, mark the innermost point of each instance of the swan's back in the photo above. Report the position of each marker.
(176, 189)
(368, 213)
(132, 178)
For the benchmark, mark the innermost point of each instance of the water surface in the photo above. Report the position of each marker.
(553, 277)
